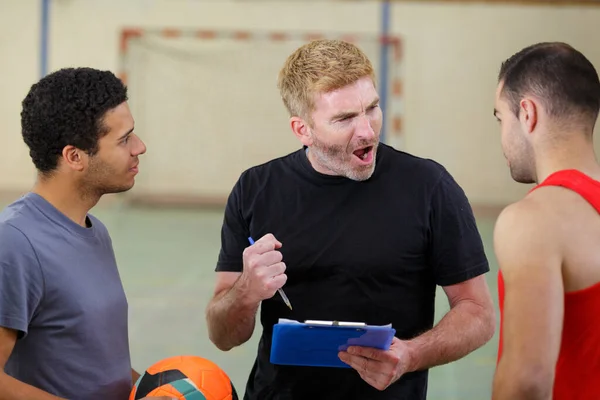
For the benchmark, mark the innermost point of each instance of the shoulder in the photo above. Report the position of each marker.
(541, 215)
(427, 179)
(11, 235)
(15, 212)
(273, 165)
(413, 164)
(516, 216)
(254, 177)
(16, 221)
(538, 212)
(526, 232)
(15, 245)
(417, 170)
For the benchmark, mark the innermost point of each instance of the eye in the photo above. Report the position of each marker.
(344, 119)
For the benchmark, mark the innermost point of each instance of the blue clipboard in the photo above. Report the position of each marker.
(317, 343)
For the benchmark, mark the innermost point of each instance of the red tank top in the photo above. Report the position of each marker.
(578, 366)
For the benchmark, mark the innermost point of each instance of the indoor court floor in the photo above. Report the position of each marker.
(166, 260)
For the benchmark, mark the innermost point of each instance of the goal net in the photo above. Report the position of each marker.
(207, 106)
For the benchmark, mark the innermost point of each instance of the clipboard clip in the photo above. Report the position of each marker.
(335, 323)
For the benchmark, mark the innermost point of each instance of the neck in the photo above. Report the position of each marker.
(313, 159)
(66, 197)
(576, 152)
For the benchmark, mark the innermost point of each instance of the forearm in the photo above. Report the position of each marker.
(519, 382)
(231, 317)
(463, 329)
(12, 389)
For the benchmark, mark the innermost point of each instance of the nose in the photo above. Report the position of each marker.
(364, 130)
(139, 148)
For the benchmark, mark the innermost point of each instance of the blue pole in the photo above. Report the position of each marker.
(44, 33)
(383, 63)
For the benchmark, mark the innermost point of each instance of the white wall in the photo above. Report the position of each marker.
(19, 66)
(452, 53)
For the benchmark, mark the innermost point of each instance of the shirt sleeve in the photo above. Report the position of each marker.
(234, 233)
(455, 246)
(21, 280)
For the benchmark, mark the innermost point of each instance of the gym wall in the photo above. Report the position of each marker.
(451, 56)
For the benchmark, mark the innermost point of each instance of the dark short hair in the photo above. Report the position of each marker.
(67, 107)
(562, 78)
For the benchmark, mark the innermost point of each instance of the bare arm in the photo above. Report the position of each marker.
(469, 324)
(230, 315)
(529, 255)
(10, 388)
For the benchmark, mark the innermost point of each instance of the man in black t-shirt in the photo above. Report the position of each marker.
(356, 231)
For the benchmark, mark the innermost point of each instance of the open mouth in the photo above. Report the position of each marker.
(365, 154)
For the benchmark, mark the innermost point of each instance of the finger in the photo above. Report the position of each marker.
(270, 238)
(261, 260)
(373, 354)
(277, 282)
(366, 366)
(274, 270)
(259, 248)
(353, 361)
(266, 272)
(269, 258)
(361, 364)
(373, 372)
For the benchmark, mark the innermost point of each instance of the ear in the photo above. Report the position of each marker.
(74, 158)
(301, 130)
(528, 115)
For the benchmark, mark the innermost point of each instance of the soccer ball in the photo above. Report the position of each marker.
(184, 377)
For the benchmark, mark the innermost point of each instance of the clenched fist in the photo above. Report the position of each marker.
(263, 268)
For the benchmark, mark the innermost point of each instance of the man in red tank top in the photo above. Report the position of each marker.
(548, 244)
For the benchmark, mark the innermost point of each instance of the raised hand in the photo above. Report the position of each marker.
(263, 268)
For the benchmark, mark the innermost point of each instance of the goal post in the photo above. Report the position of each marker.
(207, 106)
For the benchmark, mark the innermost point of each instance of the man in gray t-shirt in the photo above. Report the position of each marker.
(63, 311)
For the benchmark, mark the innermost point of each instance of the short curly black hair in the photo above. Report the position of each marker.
(67, 107)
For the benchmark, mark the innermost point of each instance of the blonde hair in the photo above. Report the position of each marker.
(320, 66)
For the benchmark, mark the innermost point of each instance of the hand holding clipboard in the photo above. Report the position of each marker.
(317, 343)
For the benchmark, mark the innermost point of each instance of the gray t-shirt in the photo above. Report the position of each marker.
(60, 288)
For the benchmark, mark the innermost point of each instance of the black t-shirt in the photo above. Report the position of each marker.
(370, 251)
